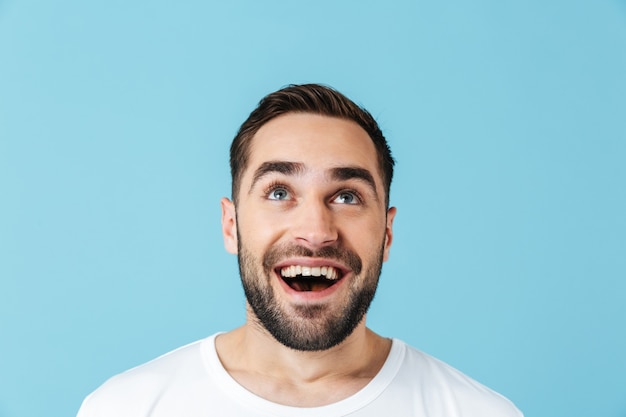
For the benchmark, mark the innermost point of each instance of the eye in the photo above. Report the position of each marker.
(278, 193)
(346, 197)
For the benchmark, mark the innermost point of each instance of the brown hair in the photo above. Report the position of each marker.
(306, 98)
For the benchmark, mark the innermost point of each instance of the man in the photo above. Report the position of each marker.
(311, 225)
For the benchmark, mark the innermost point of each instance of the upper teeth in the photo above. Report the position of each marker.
(328, 272)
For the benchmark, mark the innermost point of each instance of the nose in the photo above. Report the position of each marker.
(314, 225)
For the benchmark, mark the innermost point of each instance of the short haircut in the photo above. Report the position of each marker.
(306, 98)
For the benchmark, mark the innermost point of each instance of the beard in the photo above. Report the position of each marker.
(310, 327)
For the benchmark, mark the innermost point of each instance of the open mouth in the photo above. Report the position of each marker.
(310, 278)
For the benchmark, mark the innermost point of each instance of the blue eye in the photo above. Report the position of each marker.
(346, 198)
(278, 194)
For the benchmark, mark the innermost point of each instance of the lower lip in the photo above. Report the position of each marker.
(308, 296)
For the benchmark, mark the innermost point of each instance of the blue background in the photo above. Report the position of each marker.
(507, 120)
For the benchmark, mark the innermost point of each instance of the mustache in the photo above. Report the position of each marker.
(345, 256)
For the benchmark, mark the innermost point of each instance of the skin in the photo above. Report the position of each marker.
(314, 209)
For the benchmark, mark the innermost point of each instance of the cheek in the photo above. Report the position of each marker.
(258, 230)
(365, 229)
(367, 242)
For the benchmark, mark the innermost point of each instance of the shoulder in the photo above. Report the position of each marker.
(449, 390)
(135, 391)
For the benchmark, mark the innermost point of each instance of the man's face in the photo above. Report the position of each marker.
(311, 228)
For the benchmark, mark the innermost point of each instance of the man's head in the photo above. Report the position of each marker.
(306, 98)
(310, 222)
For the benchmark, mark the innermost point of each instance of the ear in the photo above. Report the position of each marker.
(229, 225)
(391, 214)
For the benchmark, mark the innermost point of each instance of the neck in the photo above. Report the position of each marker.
(271, 370)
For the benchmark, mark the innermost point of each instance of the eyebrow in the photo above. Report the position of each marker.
(281, 167)
(354, 173)
(294, 168)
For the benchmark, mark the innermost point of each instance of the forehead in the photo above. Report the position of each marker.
(319, 142)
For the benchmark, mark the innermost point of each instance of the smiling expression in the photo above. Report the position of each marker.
(311, 228)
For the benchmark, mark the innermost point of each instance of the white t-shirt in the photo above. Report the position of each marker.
(191, 382)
